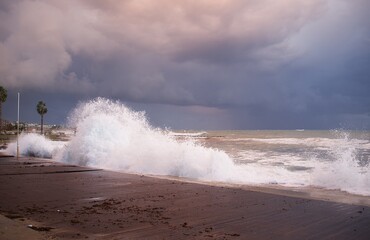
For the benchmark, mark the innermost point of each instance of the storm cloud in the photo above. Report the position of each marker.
(195, 64)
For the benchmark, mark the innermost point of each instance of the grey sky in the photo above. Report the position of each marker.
(242, 64)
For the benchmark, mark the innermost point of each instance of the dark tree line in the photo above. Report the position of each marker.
(3, 97)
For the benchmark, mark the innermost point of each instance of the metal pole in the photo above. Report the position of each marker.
(18, 131)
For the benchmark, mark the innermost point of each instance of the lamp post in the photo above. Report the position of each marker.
(18, 131)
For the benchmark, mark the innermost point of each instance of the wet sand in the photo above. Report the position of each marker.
(62, 201)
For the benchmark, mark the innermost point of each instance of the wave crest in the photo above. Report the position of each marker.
(110, 135)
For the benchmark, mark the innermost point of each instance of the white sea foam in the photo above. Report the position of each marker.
(345, 173)
(188, 134)
(35, 145)
(323, 143)
(109, 135)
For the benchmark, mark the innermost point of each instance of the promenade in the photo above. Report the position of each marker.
(42, 198)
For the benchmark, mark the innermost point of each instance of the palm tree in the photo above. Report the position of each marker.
(41, 109)
(3, 96)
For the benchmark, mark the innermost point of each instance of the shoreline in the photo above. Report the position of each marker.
(70, 202)
(308, 192)
(313, 193)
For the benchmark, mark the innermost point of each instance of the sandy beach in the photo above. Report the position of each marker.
(45, 199)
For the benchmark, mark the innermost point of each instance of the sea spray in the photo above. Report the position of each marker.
(109, 135)
(34, 145)
(346, 172)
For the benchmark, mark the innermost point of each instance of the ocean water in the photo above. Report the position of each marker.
(332, 159)
(111, 136)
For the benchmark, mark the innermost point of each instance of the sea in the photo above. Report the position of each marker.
(329, 159)
(109, 135)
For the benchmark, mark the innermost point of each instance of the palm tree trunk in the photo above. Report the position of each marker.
(42, 124)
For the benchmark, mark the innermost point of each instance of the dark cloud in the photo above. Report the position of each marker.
(194, 64)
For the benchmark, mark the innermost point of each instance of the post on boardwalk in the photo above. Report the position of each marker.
(18, 130)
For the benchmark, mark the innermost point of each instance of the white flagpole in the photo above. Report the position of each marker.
(18, 131)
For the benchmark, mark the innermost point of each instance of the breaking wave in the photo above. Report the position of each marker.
(109, 135)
